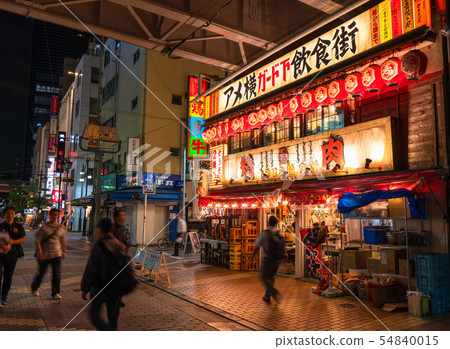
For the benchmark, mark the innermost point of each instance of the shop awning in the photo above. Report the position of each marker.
(86, 201)
(162, 195)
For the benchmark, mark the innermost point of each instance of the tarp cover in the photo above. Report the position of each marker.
(350, 201)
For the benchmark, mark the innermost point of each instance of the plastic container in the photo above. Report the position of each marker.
(432, 264)
(439, 305)
(433, 284)
(375, 234)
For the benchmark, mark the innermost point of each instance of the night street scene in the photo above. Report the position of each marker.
(226, 165)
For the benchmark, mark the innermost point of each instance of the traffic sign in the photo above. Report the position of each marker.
(149, 189)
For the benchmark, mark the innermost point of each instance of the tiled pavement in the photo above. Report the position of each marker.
(200, 297)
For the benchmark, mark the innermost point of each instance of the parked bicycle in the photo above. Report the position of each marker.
(165, 242)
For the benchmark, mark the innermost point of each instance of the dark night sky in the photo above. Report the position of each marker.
(15, 56)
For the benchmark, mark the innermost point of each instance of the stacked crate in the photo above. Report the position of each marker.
(432, 277)
(250, 232)
(235, 248)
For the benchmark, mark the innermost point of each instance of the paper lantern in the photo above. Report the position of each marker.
(219, 130)
(391, 72)
(253, 121)
(295, 105)
(284, 111)
(354, 86)
(205, 136)
(371, 78)
(237, 125)
(414, 64)
(336, 90)
(272, 112)
(262, 117)
(230, 129)
(308, 100)
(321, 95)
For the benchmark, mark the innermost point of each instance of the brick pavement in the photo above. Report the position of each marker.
(147, 308)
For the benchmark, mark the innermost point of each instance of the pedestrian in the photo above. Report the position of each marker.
(13, 235)
(181, 232)
(51, 248)
(271, 244)
(71, 218)
(97, 276)
(119, 230)
(65, 219)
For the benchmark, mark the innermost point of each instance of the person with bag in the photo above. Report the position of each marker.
(12, 235)
(271, 244)
(50, 249)
(108, 276)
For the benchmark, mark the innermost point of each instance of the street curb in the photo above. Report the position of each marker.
(208, 307)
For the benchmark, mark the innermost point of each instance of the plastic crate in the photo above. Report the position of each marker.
(433, 284)
(250, 232)
(235, 248)
(249, 246)
(235, 235)
(375, 234)
(235, 257)
(235, 265)
(439, 305)
(249, 223)
(432, 264)
(249, 262)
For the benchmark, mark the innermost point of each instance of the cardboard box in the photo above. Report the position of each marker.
(389, 259)
(374, 264)
(355, 259)
(403, 267)
(397, 208)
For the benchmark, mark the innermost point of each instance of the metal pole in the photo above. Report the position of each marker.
(145, 219)
(98, 187)
(59, 191)
(39, 200)
(407, 244)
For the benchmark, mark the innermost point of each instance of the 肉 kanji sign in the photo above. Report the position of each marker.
(365, 31)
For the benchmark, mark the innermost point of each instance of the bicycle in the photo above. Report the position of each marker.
(165, 242)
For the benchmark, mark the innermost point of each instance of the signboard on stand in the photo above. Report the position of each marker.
(153, 261)
(192, 244)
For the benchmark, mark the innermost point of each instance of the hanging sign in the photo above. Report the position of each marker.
(389, 19)
(217, 154)
(197, 112)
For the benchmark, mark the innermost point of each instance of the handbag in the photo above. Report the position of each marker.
(20, 252)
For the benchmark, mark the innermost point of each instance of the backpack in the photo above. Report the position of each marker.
(276, 247)
(120, 274)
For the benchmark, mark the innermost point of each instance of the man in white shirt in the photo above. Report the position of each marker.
(181, 232)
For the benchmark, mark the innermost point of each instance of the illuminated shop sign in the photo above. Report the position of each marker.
(356, 149)
(378, 25)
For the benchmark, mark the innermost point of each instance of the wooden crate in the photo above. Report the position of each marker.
(249, 262)
(235, 235)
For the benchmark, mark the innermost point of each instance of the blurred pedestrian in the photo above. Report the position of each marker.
(98, 274)
(119, 230)
(51, 248)
(271, 244)
(181, 232)
(12, 235)
(71, 219)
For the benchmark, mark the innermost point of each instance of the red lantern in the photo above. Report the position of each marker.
(391, 72)
(336, 90)
(253, 121)
(296, 106)
(321, 95)
(205, 136)
(262, 117)
(414, 64)
(371, 78)
(354, 86)
(237, 125)
(284, 111)
(219, 132)
(272, 112)
(308, 100)
(230, 129)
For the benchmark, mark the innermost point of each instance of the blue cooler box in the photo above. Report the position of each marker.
(375, 234)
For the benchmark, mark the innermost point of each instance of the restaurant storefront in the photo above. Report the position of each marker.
(357, 107)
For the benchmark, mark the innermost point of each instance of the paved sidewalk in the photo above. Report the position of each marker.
(146, 309)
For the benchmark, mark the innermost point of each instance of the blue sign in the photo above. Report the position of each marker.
(163, 181)
(196, 126)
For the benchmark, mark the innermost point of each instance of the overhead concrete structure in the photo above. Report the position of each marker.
(232, 32)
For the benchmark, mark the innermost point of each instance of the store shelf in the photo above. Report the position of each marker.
(378, 273)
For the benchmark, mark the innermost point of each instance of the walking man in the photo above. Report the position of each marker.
(71, 219)
(97, 275)
(119, 229)
(51, 248)
(271, 244)
(12, 235)
(181, 232)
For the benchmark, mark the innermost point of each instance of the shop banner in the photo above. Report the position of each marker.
(197, 112)
(133, 154)
(162, 181)
(390, 19)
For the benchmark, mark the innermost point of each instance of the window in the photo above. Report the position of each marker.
(246, 140)
(283, 129)
(107, 56)
(297, 126)
(79, 76)
(325, 118)
(93, 106)
(111, 122)
(40, 110)
(177, 100)
(175, 152)
(313, 122)
(256, 138)
(234, 144)
(269, 134)
(49, 89)
(77, 108)
(75, 143)
(134, 103)
(109, 90)
(44, 100)
(94, 75)
(136, 56)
